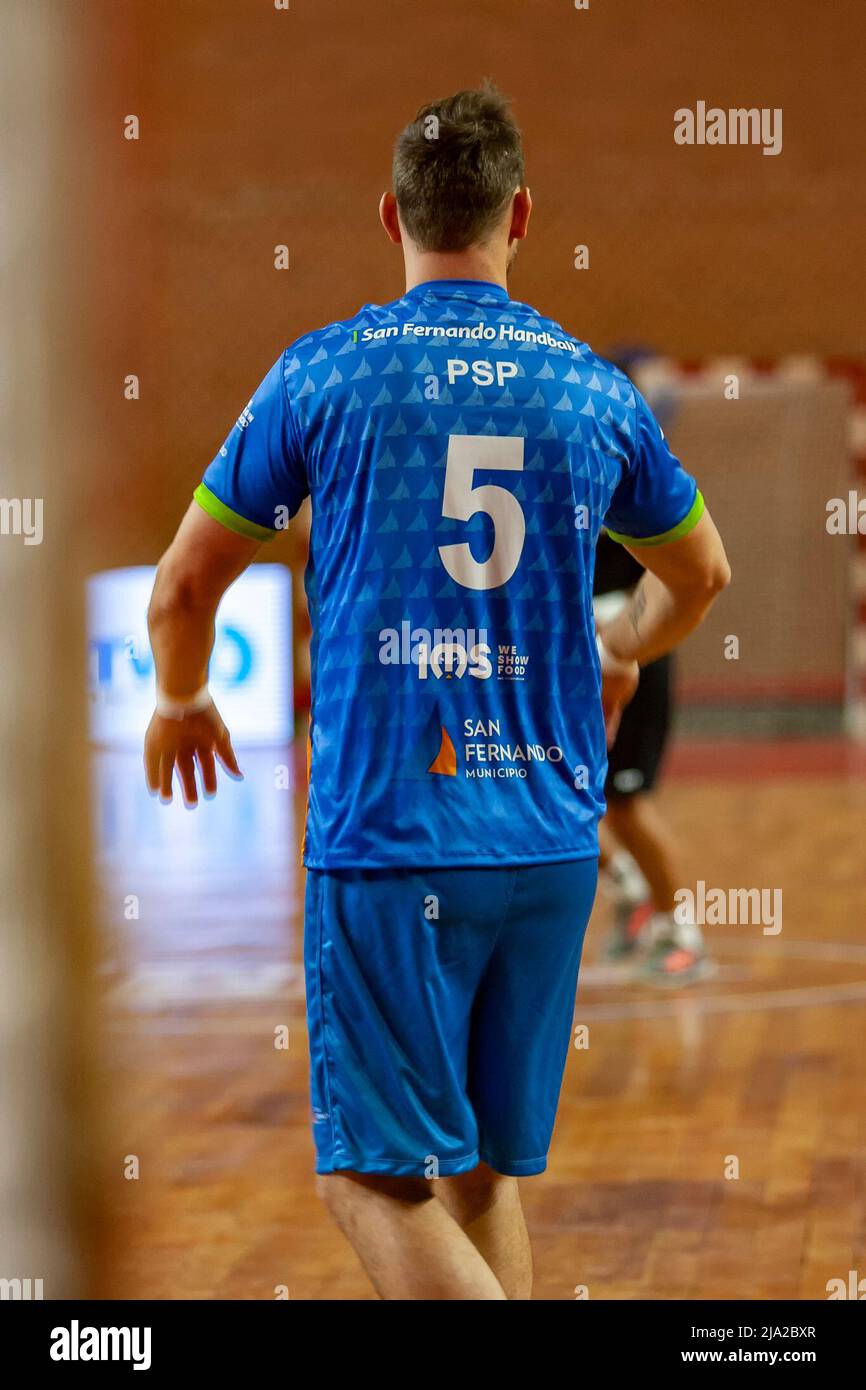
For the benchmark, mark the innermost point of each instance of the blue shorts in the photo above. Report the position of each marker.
(440, 1005)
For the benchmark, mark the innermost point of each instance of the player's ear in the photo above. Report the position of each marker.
(388, 217)
(521, 209)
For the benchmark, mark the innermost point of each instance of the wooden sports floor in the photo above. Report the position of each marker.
(762, 1064)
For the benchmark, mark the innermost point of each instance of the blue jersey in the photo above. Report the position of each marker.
(461, 453)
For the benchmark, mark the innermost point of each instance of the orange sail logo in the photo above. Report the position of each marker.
(445, 761)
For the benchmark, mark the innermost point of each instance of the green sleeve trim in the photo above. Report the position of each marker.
(210, 503)
(676, 533)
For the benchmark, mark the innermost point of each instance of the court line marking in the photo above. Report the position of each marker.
(844, 951)
(150, 1010)
(679, 1005)
(808, 997)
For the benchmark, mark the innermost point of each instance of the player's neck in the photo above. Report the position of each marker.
(455, 265)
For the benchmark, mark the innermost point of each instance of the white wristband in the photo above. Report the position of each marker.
(170, 708)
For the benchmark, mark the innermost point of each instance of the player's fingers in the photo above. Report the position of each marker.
(226, 755)
(186, 772)
(151, 767)
(166, 768)
(207, 767)
(613, 715)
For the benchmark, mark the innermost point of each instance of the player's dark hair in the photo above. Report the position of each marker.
(456, 167)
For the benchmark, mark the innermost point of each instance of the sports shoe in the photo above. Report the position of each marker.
(677, 953)
(629, 920)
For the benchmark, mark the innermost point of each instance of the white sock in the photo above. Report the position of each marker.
(663, 926)
(624, 881)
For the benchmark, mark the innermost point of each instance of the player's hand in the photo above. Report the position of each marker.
(197, 740)
(619, 680)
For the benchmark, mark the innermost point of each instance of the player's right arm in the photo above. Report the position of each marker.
(658, 514)
(257, 475)
(186, 732)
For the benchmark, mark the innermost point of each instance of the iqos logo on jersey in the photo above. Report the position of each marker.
(452, 659)
(446, 651)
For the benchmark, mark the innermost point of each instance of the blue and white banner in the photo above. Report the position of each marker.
(250, 670)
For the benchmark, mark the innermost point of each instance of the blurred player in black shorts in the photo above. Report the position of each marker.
(638, 858)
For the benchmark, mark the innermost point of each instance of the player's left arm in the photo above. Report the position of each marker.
(658, 514)
(683, 579)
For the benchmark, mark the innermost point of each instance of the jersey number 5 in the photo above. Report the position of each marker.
(460, 502)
